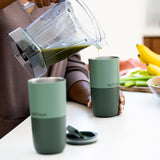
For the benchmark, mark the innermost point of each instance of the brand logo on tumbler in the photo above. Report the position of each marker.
(39, 114)
(112, 84)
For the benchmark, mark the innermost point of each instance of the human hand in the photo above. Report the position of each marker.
(121, 102)
(42, 3)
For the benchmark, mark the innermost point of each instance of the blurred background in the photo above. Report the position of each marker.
(126, 23)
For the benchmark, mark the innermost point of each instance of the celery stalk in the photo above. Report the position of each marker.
(136, 78)
(129, 83)
(122, 82)
(141, 84)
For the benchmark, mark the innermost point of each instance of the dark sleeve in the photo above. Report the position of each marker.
(76, 71)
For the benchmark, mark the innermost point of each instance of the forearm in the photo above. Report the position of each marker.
(5, 3)
(80, 92)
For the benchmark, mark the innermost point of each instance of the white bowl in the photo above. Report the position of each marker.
(154, 85)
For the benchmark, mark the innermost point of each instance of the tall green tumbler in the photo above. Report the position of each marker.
(104, 81)
(47, 98)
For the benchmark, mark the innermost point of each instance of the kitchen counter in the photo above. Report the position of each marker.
(134, 135)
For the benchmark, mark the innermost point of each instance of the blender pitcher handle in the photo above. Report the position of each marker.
(28, 5)
(100, 35)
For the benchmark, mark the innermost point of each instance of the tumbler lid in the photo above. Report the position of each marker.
(76, 137)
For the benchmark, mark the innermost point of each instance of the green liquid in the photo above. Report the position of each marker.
(54, 55)
(98, 51)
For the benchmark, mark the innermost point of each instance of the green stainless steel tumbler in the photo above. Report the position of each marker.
(104, 82)
(47, 99)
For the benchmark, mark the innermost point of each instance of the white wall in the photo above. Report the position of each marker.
(153, 13)
(123, 22)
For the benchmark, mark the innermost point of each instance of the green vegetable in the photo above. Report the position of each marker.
(134, 78)
(122, 82)
(144, 73)
(129, 83)
(140, 73)
(141, 84)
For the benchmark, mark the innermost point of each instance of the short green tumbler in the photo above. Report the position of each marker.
(104, 82)
(47, 99)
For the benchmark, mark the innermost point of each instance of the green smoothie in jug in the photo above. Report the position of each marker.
(54, 55)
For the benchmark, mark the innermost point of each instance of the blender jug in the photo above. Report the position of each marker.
(63, 30)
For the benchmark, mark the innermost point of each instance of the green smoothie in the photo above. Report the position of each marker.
(54, 55)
